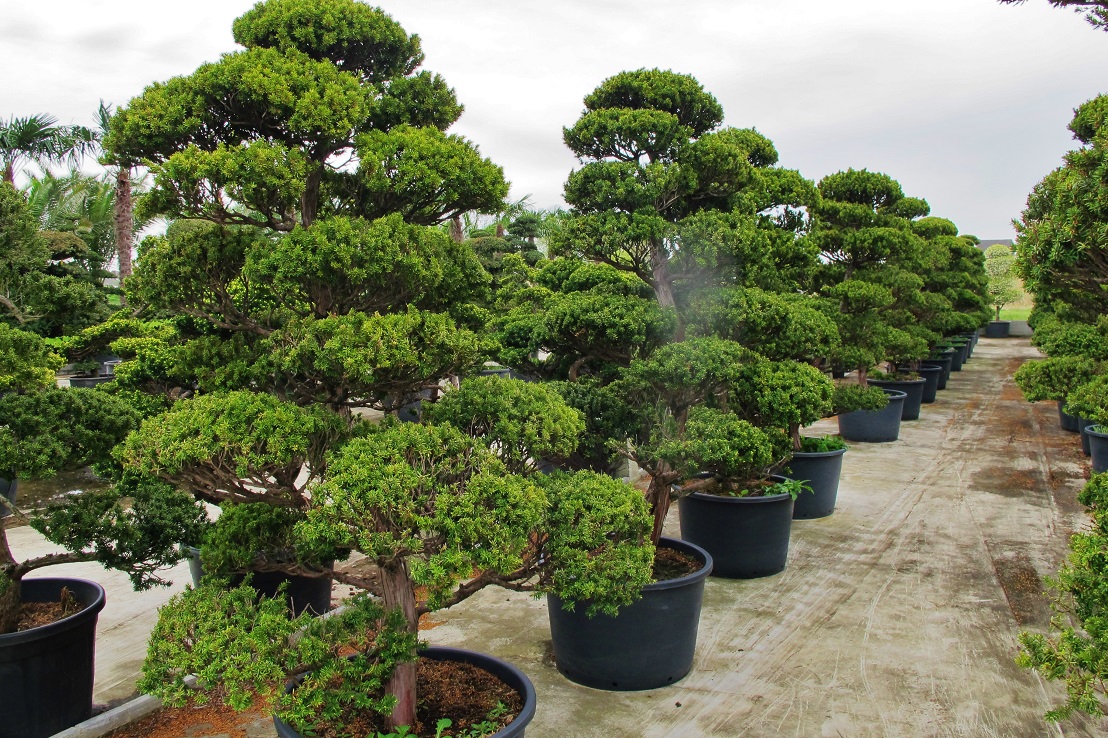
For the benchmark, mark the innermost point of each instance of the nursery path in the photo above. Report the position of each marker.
(896, 616)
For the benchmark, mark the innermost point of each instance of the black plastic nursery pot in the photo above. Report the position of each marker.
(998, 329)
(648, 644)
(748, 537)
(89, 382)
(958, 357)
(303, 593)
(821, 471)
(46, 673)
(943, 362)
(913, 388)
(1067, 421)
(502, 670)
(931, 376)
(874, 426)
(1083, 426)
(1098, 446)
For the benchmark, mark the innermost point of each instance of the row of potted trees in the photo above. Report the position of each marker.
(700, 298)
(1061, 259)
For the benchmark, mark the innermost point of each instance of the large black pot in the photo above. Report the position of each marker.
(913, 388)
(46, 673)
(1083, 425)
(303, 593)
(874, 426)
(998, 329)
(89, 382)
(958, 358)
(648, 644)
(8, 489)
(821, 470)
(1067, 421)
(931, 376)
(943, 362)
(1098, 446)
(748, 537)
(502, 670)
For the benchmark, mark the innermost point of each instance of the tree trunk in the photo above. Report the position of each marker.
(457, 232)
(663, 284)
(124, 224)
(309, 201)
(657, 496)
(794, 433)
(9, 588)
(398, 592)
(9, 174)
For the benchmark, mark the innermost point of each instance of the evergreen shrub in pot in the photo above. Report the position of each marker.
(46, 671)
(1053, 379)
(1089, 403)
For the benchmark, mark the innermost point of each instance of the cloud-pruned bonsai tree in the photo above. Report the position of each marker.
(667, 194)
(1060, 241)
(1000, 264)
(47, 429)
(570, 319)
(303, 275)
(1090, 400)
(1054, 378)
(863, 228)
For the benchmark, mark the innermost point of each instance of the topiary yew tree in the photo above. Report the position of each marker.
(668, 194)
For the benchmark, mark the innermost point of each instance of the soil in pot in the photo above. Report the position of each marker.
(470, 689)
(212, 719)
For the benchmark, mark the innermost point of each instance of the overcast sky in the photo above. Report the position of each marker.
(965, 102)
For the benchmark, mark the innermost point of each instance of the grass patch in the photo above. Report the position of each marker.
(1015, 313)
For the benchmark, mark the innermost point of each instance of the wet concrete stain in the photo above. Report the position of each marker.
(1024, 589)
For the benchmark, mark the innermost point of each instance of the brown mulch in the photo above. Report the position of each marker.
(213, 719)
(670, 564)
(37, 614)
(463, 693)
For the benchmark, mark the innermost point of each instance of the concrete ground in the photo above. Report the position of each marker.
(896, 616)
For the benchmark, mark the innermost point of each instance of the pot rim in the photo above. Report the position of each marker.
(819, 454)
(1099, 430)
(702, 573)
(89, 611)
(881, 382)
(528, 693)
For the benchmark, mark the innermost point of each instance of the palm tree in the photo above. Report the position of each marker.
(38, 139)
(124, 198)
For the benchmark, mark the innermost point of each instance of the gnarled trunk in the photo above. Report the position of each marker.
(398, 592)
(663, 284)
(9, 588)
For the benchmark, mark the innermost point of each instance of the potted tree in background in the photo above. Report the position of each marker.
(47, 625)
(1000, 264)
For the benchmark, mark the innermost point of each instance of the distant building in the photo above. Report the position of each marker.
(994, 241)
